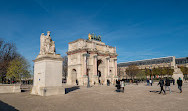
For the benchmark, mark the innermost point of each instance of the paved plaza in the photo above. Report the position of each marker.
(100, 98)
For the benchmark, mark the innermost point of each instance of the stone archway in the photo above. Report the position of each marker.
(99, 73)
(99, 63)
(74, 76)
(99, 76)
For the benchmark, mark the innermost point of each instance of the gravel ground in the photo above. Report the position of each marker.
(100, 98)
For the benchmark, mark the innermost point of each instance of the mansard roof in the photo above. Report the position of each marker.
(147, 61)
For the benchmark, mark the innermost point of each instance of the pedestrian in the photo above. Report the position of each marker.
(161, 83)
(108, 82)
(173, 82)
(76, 82)
(136, 82)
(167, 84)
(147, 82)
(118, 85)
(179, 82)
(122, 85)
(150, 81)
(116, 81)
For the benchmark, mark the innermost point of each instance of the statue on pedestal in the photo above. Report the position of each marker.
(47, 69)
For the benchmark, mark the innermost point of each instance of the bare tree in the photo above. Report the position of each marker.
(120, 72)
(7, 54)
(132, 71)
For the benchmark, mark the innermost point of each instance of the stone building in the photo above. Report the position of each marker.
(182, 61)
(91, 60)
(151, 63)
(170, 61)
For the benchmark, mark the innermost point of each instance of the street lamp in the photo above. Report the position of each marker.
(150, 71)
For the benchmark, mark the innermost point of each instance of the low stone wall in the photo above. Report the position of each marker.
(10, 88)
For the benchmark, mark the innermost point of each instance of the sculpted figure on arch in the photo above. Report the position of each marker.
(46, 44)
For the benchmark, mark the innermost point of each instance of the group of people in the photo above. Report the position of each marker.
(149, 82)
(166, 83)
(120, 85)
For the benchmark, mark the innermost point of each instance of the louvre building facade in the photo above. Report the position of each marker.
(170, 61)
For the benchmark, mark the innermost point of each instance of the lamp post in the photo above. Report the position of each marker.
(150, 71)
(87, 55)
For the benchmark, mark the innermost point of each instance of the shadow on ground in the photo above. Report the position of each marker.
(162, 91)
(67, 90)
(154, 91)
(119, 90)
(25, 90)
(6, 107)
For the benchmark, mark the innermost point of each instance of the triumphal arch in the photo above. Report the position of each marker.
(91, 61)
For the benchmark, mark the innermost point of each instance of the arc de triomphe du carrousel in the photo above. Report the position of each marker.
(91, 60)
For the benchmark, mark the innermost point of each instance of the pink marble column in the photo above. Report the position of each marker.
(115, 63)
(95, 65)
(84, 65)
(108, 60)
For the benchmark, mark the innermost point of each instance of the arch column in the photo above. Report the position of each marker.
(84, 65)
(95, 77)
(115, 70)
(108, 69)
(85, 68)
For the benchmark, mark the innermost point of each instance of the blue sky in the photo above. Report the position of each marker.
(139, 29)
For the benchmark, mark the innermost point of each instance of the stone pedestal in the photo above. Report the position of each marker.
(48, 75)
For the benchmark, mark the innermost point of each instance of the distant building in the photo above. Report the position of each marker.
(170, 61)
(182, 61)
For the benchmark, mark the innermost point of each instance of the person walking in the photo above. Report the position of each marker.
(179, 82)
(173, 82)
(167, 84)
(122, 85)
(147, 82)
(150, 81)
(161, 83)
(108, 82)
(118, 85)
(76, 82)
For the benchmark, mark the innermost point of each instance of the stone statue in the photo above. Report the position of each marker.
(47, 46)
(94, 37)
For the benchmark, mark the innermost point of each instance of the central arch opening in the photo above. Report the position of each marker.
(99, 62)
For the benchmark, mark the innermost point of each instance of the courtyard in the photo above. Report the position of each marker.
(100, 98)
